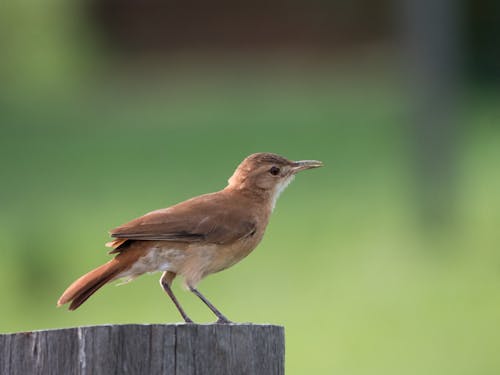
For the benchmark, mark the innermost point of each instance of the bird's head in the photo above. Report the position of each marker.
(268, 174)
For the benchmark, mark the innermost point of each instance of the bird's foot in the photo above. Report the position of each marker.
(223, 320)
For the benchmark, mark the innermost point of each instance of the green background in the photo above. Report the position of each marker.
(361, 282)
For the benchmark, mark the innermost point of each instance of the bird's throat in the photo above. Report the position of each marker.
(279, 189)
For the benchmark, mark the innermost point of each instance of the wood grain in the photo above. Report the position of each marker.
(146, 349)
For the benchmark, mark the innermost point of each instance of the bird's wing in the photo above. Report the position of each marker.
(205, 218)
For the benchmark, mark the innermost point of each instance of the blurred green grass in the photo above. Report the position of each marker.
(344, 266)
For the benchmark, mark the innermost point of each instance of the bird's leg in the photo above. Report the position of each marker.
(165, 282)
(221, 318)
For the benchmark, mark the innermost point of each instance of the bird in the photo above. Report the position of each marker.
(197, 237)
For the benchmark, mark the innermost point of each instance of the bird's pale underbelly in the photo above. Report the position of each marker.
(193, 261)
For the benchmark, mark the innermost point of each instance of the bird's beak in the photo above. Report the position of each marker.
(301, 165)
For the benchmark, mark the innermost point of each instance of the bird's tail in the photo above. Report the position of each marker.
(80, 290)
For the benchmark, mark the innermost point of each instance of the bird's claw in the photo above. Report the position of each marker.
(223, 321)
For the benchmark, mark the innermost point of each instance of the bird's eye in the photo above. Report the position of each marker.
(274, 171)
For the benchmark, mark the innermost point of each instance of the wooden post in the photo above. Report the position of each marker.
(180, 349)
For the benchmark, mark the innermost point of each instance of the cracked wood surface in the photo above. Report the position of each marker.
(177, 349)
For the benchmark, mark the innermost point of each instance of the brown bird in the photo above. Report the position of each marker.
(197, 237)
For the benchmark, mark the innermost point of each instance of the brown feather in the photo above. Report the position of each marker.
(209, 218)
(116, 243)
(80, 290)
